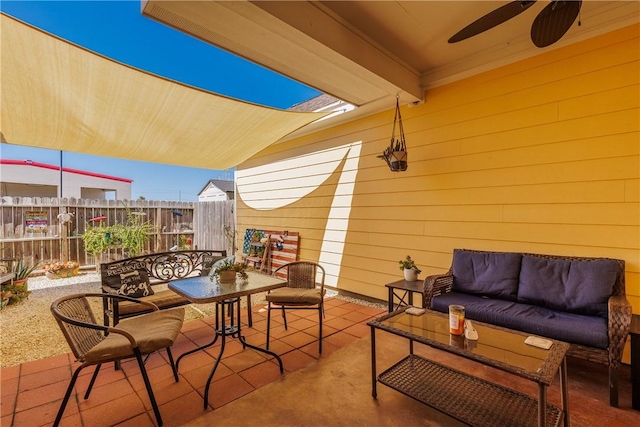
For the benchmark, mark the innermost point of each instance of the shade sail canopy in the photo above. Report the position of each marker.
(59, 96)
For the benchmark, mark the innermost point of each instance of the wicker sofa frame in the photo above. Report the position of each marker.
(161, 267)
(619, 318)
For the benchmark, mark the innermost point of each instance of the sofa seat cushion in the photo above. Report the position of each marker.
(493, 274)
(573, 328)
(582, 287)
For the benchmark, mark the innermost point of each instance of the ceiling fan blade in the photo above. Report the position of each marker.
(492, 19)
(554, 21)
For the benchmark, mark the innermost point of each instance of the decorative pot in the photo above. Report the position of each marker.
(410, 275)
(21, 284)
(227, 276)
(398, 161)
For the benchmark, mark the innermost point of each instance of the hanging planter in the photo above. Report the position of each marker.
(396, 153)
(398, 162)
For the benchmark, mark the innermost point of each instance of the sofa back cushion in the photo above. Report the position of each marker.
(572, 286)
(491, 274)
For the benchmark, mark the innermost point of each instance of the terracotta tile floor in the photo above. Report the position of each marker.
(32, 392)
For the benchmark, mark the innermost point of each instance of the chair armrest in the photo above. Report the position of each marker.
(103, 296)
(619, 322)
(436, 285)
(110, 304)
(127, 335)
(118, 297)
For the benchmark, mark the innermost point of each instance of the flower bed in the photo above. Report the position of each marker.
(60, 270)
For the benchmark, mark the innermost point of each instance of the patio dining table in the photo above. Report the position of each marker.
(207, 290)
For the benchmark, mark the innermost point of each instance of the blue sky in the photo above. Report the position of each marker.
(118, 30)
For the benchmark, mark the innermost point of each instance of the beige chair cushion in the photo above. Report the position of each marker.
(294, 296)
(166, 298)
(152, 332)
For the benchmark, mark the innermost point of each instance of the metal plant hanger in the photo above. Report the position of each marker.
(396, 153)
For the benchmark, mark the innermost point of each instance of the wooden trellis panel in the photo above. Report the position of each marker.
(281, 252)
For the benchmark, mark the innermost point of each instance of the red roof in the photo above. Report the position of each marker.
(57, 168)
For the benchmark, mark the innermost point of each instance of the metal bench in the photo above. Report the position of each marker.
(160, 268)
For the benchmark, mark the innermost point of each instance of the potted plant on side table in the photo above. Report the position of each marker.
(410, 269)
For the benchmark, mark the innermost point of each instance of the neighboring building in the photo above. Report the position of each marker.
(216, 190)
(323, 103)
(27, 178)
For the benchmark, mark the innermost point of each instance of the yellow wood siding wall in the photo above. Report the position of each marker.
(538, 156)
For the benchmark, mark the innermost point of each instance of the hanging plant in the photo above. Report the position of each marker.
(396, 153)
(131, 237)
(97, 239)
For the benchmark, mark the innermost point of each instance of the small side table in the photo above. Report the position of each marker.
(407, 289)
(634, 331)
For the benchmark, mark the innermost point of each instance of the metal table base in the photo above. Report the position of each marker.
(222, 330)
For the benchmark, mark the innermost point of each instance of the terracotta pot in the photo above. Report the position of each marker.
(227, 276)
(22, 284)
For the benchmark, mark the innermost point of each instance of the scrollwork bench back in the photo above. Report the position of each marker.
(160, 268)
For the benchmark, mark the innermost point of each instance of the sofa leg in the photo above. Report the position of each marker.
(613, 387)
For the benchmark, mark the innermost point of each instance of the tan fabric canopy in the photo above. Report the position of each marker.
(57, 95)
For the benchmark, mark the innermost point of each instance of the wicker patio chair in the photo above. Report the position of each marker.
(302, 292)
(95, 344)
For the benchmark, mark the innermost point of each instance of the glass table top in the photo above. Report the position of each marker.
(498, 347)
(204, 290)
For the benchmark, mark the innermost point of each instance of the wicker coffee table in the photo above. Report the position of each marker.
(469, 399)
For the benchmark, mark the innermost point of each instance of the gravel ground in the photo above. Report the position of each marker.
(29, 332)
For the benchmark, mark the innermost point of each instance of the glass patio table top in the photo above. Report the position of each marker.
(205, 290)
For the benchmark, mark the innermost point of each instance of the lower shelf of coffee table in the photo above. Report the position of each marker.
(469, 399)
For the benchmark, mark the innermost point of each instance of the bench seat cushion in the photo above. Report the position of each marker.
(573, 328)
(163, 299)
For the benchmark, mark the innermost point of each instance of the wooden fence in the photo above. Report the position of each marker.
(209, 222)
(31, 227)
